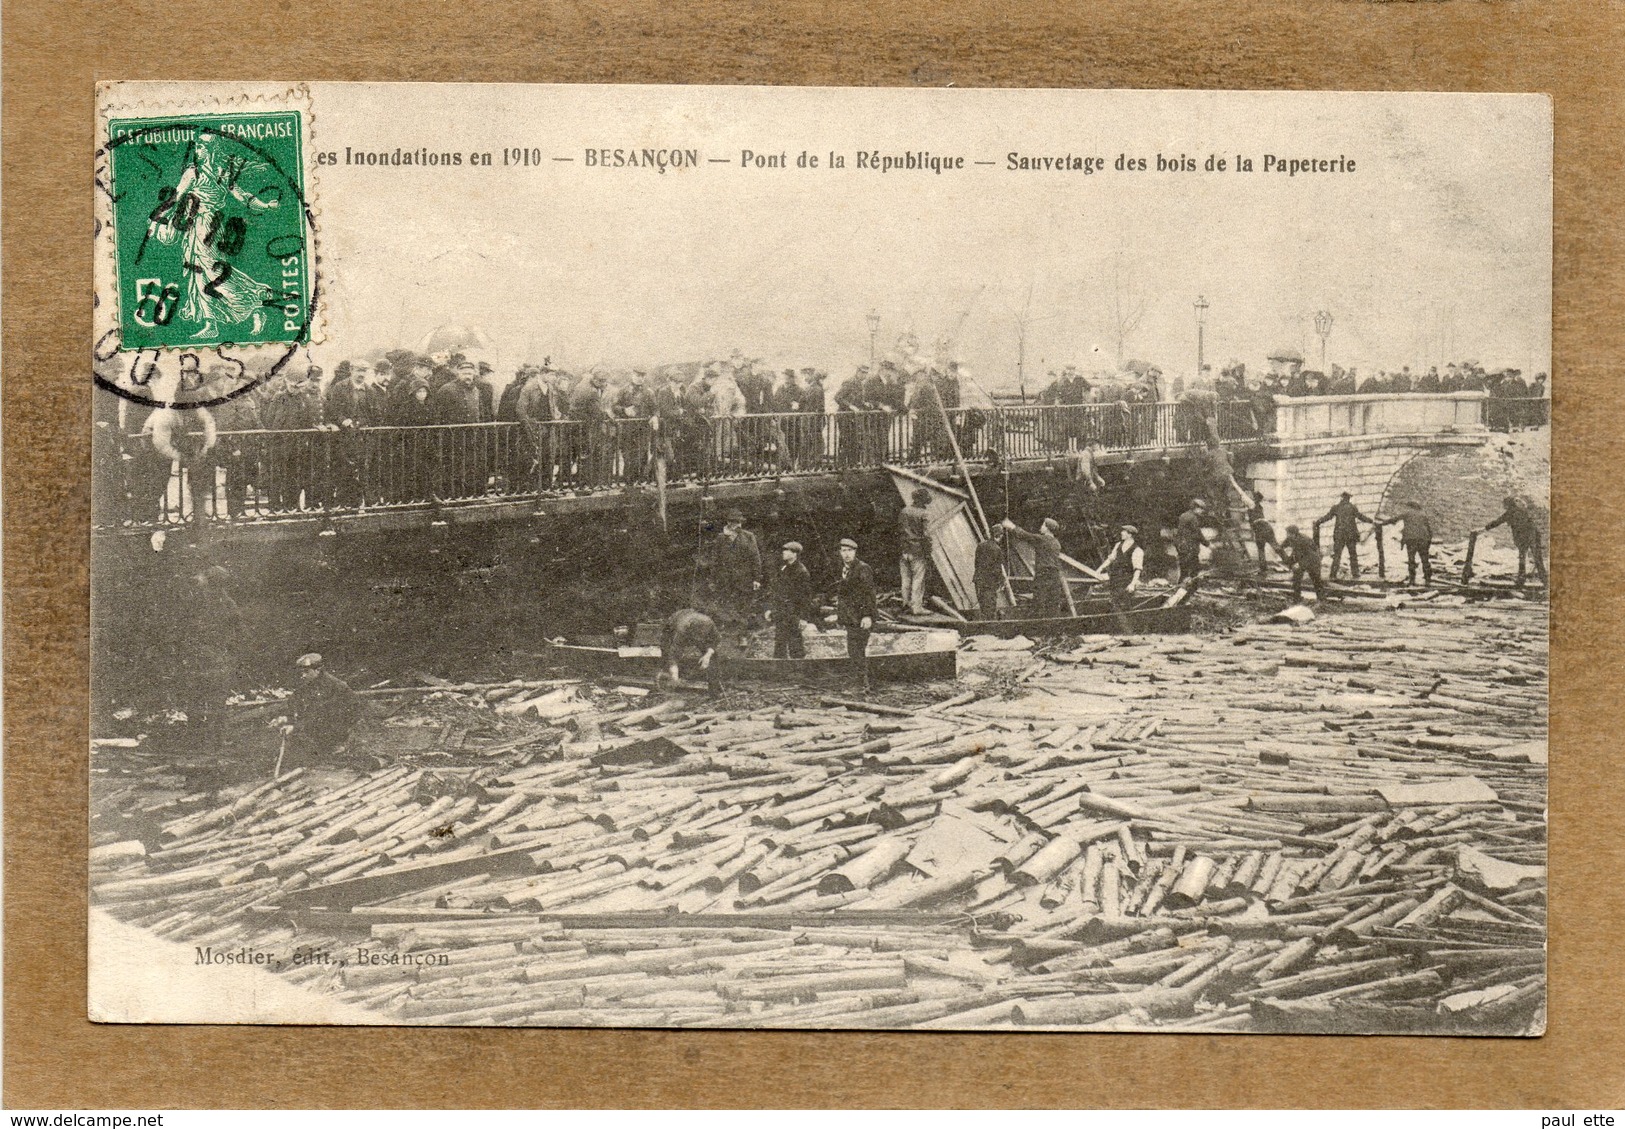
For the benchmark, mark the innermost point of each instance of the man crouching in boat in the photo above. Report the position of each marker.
(690, 638)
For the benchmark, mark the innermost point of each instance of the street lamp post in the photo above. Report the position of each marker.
(1201, 321)
(1323, 326)
(874, 328)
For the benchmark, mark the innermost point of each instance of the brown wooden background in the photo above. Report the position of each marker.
(55, 51)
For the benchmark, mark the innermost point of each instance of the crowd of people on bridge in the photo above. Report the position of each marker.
(722, 418)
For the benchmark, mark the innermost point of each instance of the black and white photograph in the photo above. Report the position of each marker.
(834, 559)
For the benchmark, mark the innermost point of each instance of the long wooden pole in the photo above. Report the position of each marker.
(964, 472)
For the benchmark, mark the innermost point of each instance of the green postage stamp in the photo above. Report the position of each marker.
(210, 228)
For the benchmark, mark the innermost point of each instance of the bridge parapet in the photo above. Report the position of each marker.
(1411, 413)
(1325, 445)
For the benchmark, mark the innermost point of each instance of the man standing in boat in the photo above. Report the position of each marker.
(989, 576)
(735, 567)
(691, 638)
(1123, 567)
(855, 609)
(791, 602)
(1049, 590)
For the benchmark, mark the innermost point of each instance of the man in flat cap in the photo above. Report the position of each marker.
(323, 714)
(791, 602)
(1049, 589)
(855, 609)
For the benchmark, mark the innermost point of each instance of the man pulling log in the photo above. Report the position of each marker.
(690, 639)
(1525, 537)
(1049, 588)
(1345, 517)
(1416, 535)
(1303, 556)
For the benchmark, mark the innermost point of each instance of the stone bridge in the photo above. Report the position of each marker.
(1323, 445)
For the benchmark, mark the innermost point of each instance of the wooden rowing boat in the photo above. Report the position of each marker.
(1144, 616)
(901, 656)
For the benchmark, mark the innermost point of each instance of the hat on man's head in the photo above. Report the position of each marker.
(1134, 529)
(1346, 495)
(485, 366)
(467, 366)
(1049, 525)
(733, 515)
(921, 496)
(793, 546)
(308, 662)
(848, 543)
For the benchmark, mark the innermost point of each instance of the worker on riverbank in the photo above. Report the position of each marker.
(1302, 556)
(1525, 536)
(323, 715)
(1416, 534)
(855, 609)
(1345, 517)
(791, 602)
(1263, 531)
(690, 640)
(1049, 589)
(1190, 538)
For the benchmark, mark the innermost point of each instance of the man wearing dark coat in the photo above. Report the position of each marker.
(1345, 517)
(1303, 557)
(462, 471)
(791, 602)
(988, 578)
(237, 453)
(323, 714)
(349, 406)
(1416, 535)
(733, 569)
(1525, 535)
(855, 609)
(1049, 588)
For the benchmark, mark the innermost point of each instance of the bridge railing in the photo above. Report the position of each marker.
(272, 474)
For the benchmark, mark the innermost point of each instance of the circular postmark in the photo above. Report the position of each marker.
(213, 256)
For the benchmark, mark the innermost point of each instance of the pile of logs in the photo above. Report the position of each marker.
(1330, 827)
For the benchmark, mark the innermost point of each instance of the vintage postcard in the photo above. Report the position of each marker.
(698, 557)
